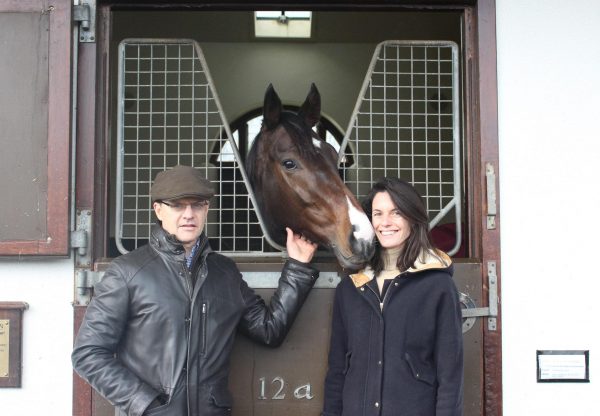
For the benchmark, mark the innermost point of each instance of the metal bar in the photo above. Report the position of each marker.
(475, 312)
(492, 288)
(490, 179)
(120, 151)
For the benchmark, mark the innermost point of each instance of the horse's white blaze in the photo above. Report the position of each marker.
(317, 143)
(363, 230)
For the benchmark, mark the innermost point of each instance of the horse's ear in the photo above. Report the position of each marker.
(311, 109)
(272, 108)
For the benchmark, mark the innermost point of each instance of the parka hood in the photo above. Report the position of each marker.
(427, 260)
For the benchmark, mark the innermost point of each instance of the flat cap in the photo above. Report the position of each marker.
(181, 182)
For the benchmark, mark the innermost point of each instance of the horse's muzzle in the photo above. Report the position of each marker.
(362, 251)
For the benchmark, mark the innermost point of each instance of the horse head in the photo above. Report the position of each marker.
(296, 182)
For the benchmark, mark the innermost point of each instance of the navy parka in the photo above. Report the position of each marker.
(404, 358)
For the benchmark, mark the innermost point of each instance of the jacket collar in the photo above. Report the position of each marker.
(428, 260)
(167, 244)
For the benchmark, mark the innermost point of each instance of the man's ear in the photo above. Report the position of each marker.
(157, 210)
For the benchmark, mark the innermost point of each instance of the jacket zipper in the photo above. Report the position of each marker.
(204, 329)
(381, 302)
(188, 278)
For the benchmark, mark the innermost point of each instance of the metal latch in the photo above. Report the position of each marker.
(491, 311)
(490, 178)
(85, 14)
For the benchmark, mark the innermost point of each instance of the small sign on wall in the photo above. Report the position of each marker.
(563, 366)
(11, 336)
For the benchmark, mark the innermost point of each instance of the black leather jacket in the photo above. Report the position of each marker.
(147, 332)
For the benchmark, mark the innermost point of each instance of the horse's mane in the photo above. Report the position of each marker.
(301, 132)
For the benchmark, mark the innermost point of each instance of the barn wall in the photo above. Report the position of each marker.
(548, 65)
(47, 286)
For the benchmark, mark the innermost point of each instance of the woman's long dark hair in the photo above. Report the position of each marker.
(410, 204)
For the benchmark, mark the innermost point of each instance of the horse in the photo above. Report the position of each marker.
(296, 182)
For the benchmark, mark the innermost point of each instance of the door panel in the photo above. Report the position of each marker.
(35, 74)
(467, 277)
(263, 380)
(289, 380)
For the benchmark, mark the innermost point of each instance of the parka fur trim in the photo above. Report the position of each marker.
(426, 261)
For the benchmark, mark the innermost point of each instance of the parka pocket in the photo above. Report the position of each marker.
(156, 411)
(221, 397)
(420, 371)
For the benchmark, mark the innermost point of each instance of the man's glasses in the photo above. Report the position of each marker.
(180, 207)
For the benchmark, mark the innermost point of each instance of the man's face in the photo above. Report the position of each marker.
(184, 218)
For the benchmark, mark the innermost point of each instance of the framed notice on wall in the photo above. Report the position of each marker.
(563, 366)
(11, 338)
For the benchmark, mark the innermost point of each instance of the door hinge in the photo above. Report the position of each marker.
(84, 281)
(80, 238)
(85, 14)
(85, 277)
(490, 179)
(491, 311)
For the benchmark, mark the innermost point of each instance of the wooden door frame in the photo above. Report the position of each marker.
(481, 130)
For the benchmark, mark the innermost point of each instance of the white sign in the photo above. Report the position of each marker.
(557, 366)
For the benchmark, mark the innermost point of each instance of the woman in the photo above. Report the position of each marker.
(396, 339)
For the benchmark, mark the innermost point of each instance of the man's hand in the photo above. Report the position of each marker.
(299, 247)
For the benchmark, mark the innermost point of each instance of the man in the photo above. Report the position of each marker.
(157, 337)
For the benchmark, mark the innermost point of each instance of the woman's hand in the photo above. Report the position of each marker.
(299, 247)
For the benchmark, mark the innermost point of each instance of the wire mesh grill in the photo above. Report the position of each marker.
(169, 114)
(406, 124)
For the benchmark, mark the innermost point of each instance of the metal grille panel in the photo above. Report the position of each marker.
(169, 114)
(406, 124)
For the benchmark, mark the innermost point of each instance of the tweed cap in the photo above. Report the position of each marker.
(181, 182)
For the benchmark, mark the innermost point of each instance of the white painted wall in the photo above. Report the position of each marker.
(549, 86)
(47, 286)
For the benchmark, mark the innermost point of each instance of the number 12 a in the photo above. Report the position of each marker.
(301, 392)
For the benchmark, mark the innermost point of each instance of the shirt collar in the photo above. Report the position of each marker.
(188, 260)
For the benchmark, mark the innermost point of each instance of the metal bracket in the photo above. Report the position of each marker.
(85, 14)
(491, 312)
(490, 177)
(492, 294)
(80, 238)
(84, 281)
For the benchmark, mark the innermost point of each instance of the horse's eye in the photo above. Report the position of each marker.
(289, 164)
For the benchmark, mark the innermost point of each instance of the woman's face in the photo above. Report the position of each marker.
(391, 228)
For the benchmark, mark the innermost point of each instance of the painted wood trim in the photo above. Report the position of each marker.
(489, 153)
